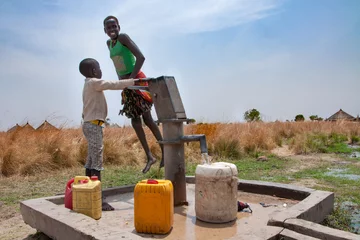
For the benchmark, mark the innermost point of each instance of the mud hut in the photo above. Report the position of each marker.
(341, 116)
(46, 126)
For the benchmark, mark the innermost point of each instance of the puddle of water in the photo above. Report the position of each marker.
(267, 178)
(187, 226)
(340, 173)
(341, 163)
(355, 215)
(355, 155)
(353, 146)
(355, 221)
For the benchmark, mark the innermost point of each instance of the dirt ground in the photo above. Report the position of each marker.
(15, 228)
(12, 225)
(306, 161)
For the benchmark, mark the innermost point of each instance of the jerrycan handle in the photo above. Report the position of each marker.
(152, 181)
(81, 179)
(71, 181)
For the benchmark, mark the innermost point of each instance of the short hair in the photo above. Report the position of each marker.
(86, 65)
(111, 17)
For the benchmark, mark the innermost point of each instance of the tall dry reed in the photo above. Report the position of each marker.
(29, 152)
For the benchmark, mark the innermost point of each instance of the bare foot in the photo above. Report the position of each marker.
(107, 207)
(148, 165)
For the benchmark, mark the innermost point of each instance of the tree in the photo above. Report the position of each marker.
(252, 115)
(313, 117)
(299, 118)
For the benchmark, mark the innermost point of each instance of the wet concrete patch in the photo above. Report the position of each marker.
(187, 226)
(49, 215)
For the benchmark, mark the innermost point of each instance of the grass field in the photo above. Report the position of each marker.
(26, 153)
(38, 164)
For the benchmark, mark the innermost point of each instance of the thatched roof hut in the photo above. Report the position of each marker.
(28, 127)
(46, 126)
(341, 115)
(114, 125)
(14, 128)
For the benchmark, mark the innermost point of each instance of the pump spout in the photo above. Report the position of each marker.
(194, 138)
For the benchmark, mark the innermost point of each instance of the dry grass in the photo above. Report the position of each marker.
(27, 153)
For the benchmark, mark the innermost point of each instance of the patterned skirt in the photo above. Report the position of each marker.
(134, 104)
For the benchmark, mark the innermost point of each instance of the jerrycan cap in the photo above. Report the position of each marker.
(94, 178)
(152, 181)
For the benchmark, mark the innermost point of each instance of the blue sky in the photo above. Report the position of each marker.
(282, 57)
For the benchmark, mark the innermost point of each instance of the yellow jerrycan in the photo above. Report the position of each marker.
(86, 196)
(153, 206)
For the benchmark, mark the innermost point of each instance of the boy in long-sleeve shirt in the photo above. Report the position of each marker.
(94, 115)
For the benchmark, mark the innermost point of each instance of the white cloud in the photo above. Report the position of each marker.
(41, 58)
(224, 80)
(188, 16)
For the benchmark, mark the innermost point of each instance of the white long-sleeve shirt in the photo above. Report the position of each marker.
(94, 101)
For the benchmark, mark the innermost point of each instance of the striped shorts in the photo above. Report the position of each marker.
(94, 136)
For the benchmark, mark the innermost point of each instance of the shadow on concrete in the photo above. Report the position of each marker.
(37, 236)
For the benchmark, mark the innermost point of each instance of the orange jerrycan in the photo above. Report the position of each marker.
(86, 196)
(153, 206)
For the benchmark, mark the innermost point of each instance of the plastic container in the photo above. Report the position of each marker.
(68, 194)
(86, 196)
(68, 190)
(153, 206)
(216, 192)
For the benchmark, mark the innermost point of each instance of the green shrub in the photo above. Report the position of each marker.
(316, 143)
(354, 139)
(337, 138)
(227, 149)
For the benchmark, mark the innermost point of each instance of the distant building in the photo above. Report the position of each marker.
(14, 128)
(341, 115)
(46, 126)
(27, 127)
(114, 125)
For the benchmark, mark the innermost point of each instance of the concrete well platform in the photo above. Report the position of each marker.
(49, 215)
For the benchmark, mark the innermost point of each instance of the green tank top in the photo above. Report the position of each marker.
(123, 59)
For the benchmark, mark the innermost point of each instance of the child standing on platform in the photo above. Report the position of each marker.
(94, 115)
